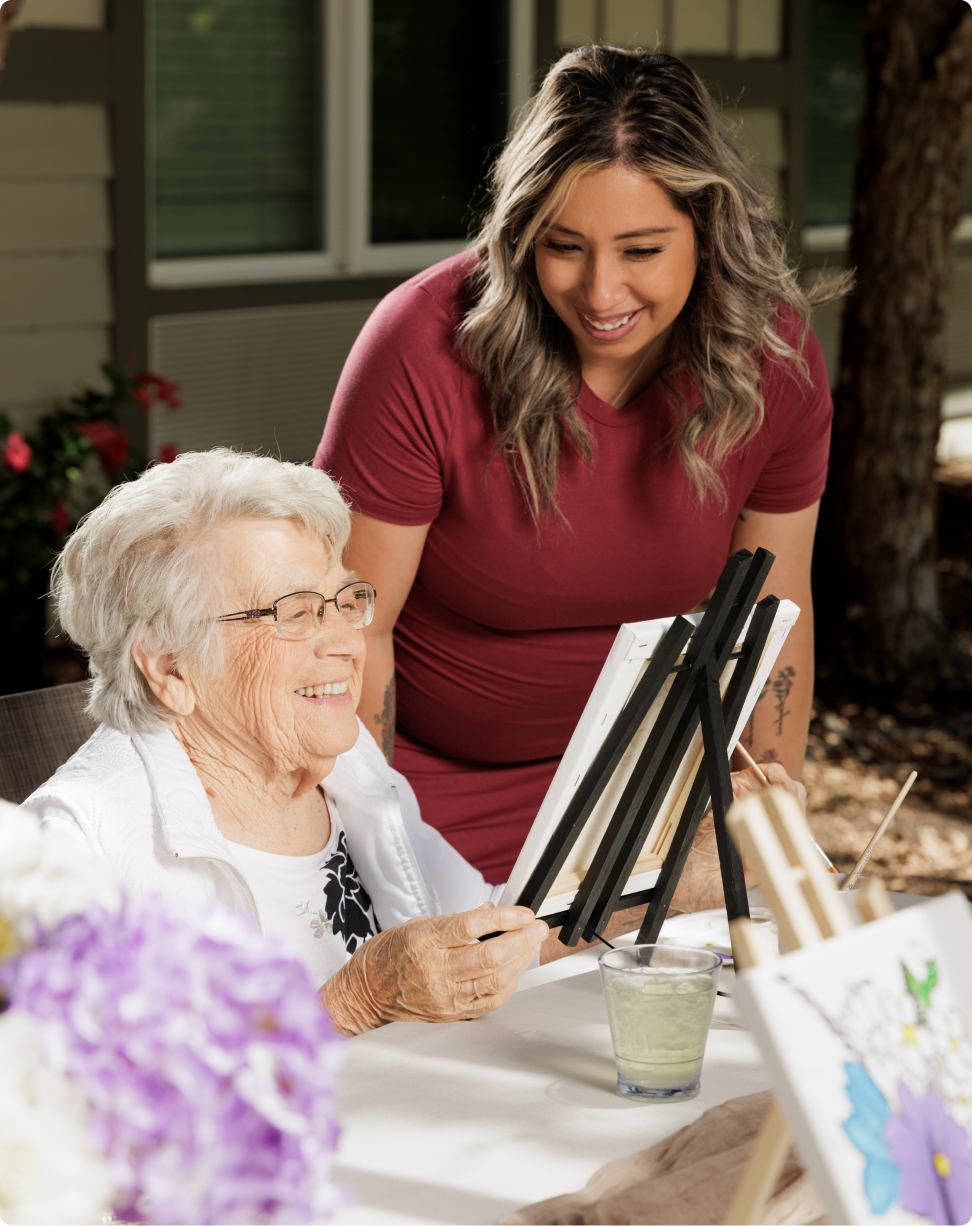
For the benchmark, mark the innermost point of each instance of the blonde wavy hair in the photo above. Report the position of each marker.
(600, 106)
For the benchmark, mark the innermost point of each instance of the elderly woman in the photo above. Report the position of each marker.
(225, 642)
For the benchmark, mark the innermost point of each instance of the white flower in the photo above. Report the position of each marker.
(45, 875)
(50, 1170)
(257, 1084)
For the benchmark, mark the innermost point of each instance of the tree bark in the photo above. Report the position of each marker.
(876, 576)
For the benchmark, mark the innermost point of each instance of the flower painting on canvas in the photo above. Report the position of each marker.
(869, 1037)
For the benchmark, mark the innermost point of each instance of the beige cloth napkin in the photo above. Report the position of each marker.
(689, 1177)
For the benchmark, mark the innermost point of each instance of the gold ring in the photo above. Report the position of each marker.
(479, 995)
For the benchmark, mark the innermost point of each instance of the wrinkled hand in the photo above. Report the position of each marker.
(434, 970)
(700, 886)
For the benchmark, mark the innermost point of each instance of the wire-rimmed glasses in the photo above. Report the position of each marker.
(300, 615)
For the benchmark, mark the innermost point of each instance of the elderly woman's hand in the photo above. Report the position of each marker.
(434, 970)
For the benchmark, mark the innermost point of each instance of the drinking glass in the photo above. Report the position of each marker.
(659, 1002)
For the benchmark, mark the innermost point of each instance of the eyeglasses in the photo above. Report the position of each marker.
(300, 615)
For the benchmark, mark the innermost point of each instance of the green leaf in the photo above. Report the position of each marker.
(921, 989)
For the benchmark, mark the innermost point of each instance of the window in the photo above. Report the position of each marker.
(432, 132)
(236, 127)
(835, 105)
(308, 138)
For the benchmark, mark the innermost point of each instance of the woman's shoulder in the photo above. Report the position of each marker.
(101, 787)
(105, 756)
(798, 377)
(403, 386)
(797, 333)
(433, 301)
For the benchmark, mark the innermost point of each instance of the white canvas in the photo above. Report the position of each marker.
(868, 1041)
(627, 660)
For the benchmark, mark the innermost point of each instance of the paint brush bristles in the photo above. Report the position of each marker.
(879, 833)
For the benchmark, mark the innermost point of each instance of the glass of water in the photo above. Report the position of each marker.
(659, 1002)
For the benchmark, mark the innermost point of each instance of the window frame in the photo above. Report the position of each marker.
(347, 249)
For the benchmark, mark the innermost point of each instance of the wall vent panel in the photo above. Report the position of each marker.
(259, 379)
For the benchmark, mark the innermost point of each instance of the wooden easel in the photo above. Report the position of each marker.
(771, 833)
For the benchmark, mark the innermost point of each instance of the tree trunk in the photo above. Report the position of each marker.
(876, 576)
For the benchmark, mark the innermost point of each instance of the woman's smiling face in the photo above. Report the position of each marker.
(617, 263)
(264, 699)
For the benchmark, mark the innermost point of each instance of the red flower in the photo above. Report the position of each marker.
(16, 452)
(150, 388)
(145, 397)
(168, 452)
(110, 442)
(167, 394)
(59, 517)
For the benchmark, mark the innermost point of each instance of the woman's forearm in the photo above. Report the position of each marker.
(777, 729)
(377, 706)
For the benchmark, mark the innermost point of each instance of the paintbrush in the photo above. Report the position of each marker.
(879, 833)
(751, 762)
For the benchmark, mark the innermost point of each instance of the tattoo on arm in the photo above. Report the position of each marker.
(386, 722)
(782, 685)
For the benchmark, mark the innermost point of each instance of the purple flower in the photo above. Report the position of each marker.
(204, 1052)
(932, 1152)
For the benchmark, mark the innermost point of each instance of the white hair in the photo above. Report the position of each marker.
(136, 568)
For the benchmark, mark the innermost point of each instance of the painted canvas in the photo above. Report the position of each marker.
(868, 1040)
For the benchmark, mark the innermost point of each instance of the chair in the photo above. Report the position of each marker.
(39, 731)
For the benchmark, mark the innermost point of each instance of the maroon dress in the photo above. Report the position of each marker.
(507, 626)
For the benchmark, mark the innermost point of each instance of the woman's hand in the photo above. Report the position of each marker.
(434, 970)
(746, 782)
(700, 886)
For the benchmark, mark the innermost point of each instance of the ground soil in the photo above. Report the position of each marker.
(860, 752)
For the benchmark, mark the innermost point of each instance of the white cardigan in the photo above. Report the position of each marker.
(139, 804)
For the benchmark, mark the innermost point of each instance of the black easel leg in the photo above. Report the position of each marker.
(678, 853)
(720, 782)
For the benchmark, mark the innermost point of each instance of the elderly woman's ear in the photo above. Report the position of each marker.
(164, 680)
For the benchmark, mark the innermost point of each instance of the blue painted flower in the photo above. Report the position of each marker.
(865, 1128)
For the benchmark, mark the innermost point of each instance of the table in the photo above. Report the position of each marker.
(466, 1122)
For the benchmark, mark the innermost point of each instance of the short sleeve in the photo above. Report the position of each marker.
(390, 420)
(799, 413)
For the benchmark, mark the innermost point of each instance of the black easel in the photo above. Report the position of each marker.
(694, 698)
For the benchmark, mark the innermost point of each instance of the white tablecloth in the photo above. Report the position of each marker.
(467, 1122)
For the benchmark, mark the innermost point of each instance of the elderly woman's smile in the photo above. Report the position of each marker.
(330, 689)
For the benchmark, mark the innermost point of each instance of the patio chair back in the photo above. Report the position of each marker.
(39, 731)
